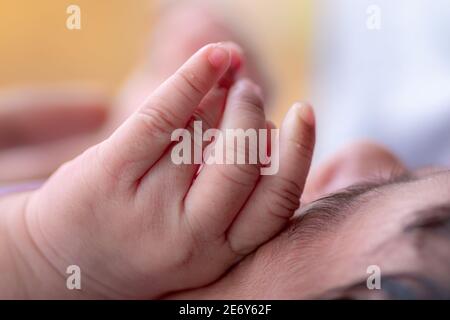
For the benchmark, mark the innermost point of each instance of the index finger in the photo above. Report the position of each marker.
(144, 137)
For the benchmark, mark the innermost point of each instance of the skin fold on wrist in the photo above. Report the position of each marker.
(25, 272)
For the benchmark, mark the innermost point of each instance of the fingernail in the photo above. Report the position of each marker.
(218, 56)
(306, 113)
(237, 56)
(236, 64)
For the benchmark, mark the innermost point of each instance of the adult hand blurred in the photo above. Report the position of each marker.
(42, 127)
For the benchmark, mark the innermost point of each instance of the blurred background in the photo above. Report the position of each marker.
(373, 69)
(36, 46)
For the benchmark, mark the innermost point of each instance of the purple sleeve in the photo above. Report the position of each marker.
(20, 187)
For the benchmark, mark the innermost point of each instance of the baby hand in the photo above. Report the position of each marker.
(140, 226)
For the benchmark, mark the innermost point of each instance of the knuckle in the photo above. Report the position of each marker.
(303, 148)
(190, 85)
(249, 112)
(248, 97)
(243, 175)
(284, 195)
(204, 117)
(157, 120)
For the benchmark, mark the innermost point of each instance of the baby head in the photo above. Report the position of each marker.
(395, 227)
